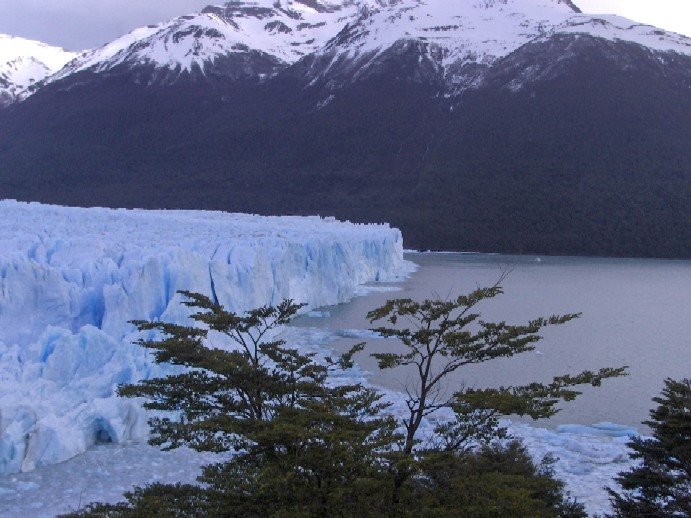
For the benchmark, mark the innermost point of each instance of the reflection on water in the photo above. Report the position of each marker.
(635, 313)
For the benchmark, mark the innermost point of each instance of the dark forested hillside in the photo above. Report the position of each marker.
(593, 157)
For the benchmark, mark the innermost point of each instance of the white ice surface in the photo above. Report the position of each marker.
(71, 280)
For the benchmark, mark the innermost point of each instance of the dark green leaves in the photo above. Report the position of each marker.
(660, 486)
(438, 337)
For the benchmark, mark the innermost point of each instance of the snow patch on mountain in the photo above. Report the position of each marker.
(72, 279)
(25, 62)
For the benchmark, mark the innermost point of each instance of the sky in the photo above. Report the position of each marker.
(82, 24)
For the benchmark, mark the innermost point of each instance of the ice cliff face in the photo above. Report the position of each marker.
(26, 62)
(71, 279)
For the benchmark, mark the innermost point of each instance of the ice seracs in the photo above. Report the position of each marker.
(26, 62)
(72, 279)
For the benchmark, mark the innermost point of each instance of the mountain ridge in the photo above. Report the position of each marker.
(261, 38)
(25, 62)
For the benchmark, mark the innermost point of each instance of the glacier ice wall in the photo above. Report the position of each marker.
(71, 279)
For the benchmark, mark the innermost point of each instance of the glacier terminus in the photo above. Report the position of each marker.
(72, 279)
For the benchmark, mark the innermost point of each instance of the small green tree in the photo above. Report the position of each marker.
(223, 389)
(325, 458)
(438, 338)
(495, 480)
(304, 446)
(155, 501)
(660, 486)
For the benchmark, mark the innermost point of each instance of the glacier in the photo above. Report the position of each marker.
(71, 279)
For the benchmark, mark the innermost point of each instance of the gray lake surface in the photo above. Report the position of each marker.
(634, 312)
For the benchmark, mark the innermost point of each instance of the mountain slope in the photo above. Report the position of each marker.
(24, 62)
(567, 136)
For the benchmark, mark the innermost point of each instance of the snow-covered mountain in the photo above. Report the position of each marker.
(460, 40)
(342, 40)
(240, 39)
(25, 62)
(338, 41)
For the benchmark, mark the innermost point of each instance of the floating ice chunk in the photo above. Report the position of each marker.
(319, 314)
(608, 429)
(363, 291)
(359, 334)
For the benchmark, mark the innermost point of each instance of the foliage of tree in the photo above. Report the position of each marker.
(495, 480)
(660, 486)
(306, 445)
(270, 404)
(438, 339)
(303, 446)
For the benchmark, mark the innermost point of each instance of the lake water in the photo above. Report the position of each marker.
(634, 312)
